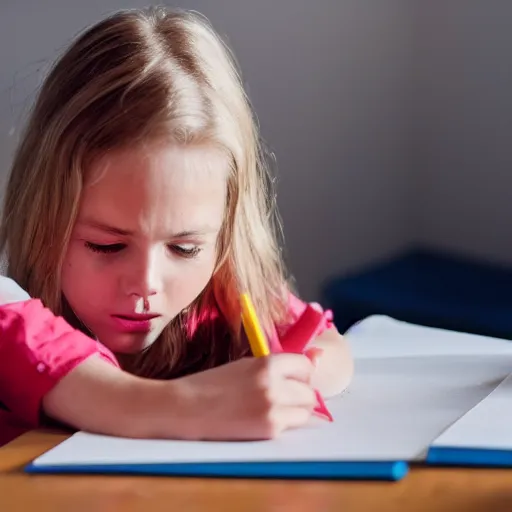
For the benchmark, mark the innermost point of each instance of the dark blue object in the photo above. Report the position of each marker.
(317, 470)
(430, 289)
(480, 457)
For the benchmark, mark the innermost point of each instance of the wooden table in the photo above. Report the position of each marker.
(424, 489)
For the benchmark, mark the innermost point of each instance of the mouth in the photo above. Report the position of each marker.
(134, 323)
(136, 317)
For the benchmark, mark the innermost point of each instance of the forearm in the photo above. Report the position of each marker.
(335, 365)
(100, 398)
(48, 367)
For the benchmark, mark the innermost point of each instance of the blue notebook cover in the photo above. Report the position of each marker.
(317, 470)
(481, 437)
(482, 457)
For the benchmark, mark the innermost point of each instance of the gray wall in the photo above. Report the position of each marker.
(330, 82)
(31, 36)
(463, 126)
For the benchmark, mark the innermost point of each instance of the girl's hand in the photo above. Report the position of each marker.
(253, 398)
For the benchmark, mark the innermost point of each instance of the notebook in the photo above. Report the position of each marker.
(411, 384)
(482, 437)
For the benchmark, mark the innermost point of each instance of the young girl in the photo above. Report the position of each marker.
(136, 212)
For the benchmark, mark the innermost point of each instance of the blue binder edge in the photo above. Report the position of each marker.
(318, 470)
(483, 457)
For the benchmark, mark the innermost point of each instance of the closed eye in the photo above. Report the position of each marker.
(186, 251)
(105, 249)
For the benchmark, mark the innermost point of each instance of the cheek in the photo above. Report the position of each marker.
(191, 280)
(81, 284)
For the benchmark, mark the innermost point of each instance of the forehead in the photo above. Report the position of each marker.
(156, 187)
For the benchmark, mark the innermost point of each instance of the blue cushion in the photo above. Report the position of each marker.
(429, 289)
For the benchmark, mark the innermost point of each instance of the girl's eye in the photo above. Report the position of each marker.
(104, 249)
(187, 251)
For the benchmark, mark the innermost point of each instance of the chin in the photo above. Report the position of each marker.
(131, 343)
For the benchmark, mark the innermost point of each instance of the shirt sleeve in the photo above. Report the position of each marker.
(306, 322)
(37, 349)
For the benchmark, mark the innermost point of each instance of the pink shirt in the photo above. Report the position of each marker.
(37, 349)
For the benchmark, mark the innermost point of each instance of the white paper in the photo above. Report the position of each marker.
(394, 409)
(411, 383)
(381, 336)
(487, 426)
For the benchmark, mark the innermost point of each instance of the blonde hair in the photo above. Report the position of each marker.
(143, 75)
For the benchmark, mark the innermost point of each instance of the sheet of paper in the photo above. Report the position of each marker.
(394, 409)
(487, 426)
(382, 336)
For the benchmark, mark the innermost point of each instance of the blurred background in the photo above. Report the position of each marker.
(391, 120)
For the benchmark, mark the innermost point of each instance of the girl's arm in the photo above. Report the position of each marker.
(46, 366)
(49, 368)
(252, 398)
(98, 397)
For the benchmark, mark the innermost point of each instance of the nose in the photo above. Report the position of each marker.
(142, 276)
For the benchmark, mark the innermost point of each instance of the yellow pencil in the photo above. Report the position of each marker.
(255, 334)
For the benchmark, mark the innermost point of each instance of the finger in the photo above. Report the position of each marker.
(292, 366)
(292, 393)
(294, 417)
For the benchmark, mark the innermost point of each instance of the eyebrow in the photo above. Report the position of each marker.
(125, 232)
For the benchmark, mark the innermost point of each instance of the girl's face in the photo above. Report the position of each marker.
(144, 244)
